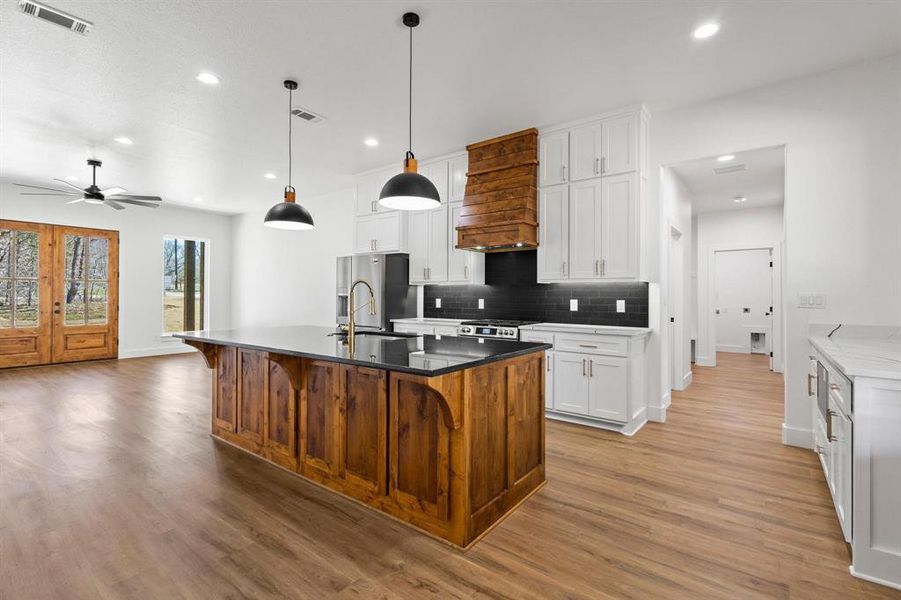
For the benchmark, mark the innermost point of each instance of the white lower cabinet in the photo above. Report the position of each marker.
(570, 383)
(608, 392)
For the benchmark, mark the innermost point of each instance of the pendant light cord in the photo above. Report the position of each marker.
(290, 123)
(410, 105)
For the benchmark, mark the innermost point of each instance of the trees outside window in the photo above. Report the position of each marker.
(184, 284)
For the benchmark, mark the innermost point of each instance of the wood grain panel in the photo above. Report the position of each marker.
(225, 382)
(506, 235)
(488, 419)
(365, 435)
(320, 428)
(525, 383)
(18, 345)
(495, 148)
(525, 216)
(253, 383)
(474, 200)
(85, 341)
(525, 157)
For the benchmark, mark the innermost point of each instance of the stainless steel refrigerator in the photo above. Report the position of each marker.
(389, 276)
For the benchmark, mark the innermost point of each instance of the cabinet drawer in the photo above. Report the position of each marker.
(420, 329)
(541, 337)
(591, 344)
(448, 330)
(840, 389)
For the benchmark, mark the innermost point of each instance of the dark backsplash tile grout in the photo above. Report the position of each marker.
(512, 292)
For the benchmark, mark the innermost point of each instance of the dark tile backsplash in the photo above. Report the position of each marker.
(511, 292)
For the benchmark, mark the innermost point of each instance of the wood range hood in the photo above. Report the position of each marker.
(500, 208)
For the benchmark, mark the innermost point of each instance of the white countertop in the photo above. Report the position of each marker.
(426, 321)
(862, 351)
(595, 329)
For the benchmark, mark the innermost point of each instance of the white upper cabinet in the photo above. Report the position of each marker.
(553, 159)
(428, 246)
(364, 235)
(364, 197)
(456, 171)
(585, 154)
(463, 266)
(380, 232)
(619, 149)
(436, 172)
(553, 232)
(619, 234)
(585, 218)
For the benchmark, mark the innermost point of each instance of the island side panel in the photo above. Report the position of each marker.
(225, 389)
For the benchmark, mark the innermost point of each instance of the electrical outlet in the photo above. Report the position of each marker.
(620, 306)
(481, 303)
(437, 302)
(573, 304)
(811, 301)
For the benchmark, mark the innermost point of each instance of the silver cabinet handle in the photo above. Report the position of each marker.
(372, 207)
(586, 346)
(563, 173)
(465, 271)
(597, 267)
(548, 364)
(810, 379)
(423, 273)
(429, 273)
(583, 367)
(603, 267)
(590, 368)
(603, 165)
(829, 414)
(564, 268)
(597, 166)
(375, 244)
(835, 386)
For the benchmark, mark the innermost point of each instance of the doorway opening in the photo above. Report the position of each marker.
(724, 242)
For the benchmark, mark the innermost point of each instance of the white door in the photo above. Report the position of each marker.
(364, 235)
(620, 145)
(571, 383)
(365, 195)
(438, 230)
(436, 172)
(549, 380)
(675, 301)
(553, 158)
(585, 152)
(553, 233)
(418, 242)
(742, 297)
(388, 232)
(456, 171)
(584, 229)
(458, 261)
(609, 388)
(619, 227)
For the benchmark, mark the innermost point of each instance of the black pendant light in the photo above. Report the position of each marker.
(410, 190)
(289, 214)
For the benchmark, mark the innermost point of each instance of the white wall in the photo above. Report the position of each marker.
(288, 277)
(842, 132)
(760, 227)
(141, 232)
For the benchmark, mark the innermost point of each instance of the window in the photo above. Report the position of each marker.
(86, 280)
(18, 278)
(184, 284)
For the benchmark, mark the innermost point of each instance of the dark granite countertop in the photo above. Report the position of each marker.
(427, 355)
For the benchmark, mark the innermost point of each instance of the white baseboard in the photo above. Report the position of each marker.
(793, 436)
(628, 429)
(158, 351)
(705, 361)
(686, 380)
(880, 581)
(658, 413)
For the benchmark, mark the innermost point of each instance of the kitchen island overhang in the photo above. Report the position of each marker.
(443, 433)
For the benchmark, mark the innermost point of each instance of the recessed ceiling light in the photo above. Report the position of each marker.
(71, 178)
(269, 175)
(705, 31)
(371, 142)
(207, 78)
(198, 199)
(124, 140)
(739, 199)
(725, 158)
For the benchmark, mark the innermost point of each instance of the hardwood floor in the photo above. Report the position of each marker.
(110, 487)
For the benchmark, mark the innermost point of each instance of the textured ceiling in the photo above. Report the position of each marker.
(482, 69)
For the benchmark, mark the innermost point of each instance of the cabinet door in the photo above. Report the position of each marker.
(619, 227)
(319, 418)
(365, 195)
(437, 245)
(620, 145)
(609, 388)
(585, 152)
(282, 409)
(364, 430)
(364, 235)
(570, 383)
(549, 380)
(553, 233)
(553, 161)
(379, 180)
(419, 246)
(436, 172)
(584, 229)
(253, 383)
(388, 232)
(458, 261)
(457, 167)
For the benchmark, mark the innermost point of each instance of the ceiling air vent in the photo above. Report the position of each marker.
(730, 169)
(306, 115)
(57, 17)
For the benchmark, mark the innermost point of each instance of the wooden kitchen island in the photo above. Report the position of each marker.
(445, 434)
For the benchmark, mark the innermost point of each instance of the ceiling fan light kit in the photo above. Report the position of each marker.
(410, 190)
(288, 214)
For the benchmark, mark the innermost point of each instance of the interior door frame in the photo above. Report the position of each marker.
(676, 308)
(776, 320)
(22, 337)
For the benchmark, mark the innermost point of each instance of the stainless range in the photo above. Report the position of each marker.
(492, 328)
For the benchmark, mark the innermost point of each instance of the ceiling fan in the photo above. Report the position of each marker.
(113, 197)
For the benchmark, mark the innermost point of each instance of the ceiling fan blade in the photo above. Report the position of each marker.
(113, 191)
(76, 201)
(74, 187)
(62, 194)
(134, 197)
(135, 202)
(40, 187)
(115, 205)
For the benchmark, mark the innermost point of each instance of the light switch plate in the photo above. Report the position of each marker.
(620, 306)
(573, 304)
(437, 302)
(481, 303)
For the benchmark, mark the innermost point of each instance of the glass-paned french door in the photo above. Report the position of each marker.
(58, 293)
